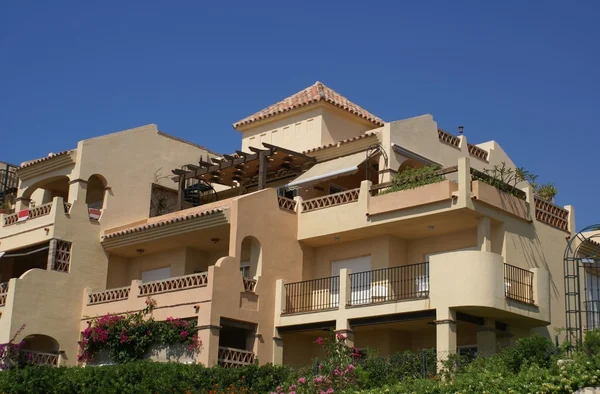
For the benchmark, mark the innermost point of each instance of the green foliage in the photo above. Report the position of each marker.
(591, 344)
(127, 338)
(335, 373)
(530, 350)
(143, 377)
(412, 178)
(546, 191)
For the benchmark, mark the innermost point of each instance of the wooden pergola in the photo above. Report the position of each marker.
(244, 168)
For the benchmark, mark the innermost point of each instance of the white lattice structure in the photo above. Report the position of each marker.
(172, 284)
(344, 197)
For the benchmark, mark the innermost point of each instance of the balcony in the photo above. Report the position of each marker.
(470, 281)
(176, 291)
(233, 358)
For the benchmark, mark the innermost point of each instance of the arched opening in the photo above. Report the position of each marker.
(45, 191)
(40, 343)
(96, 188)
(39, 349)
(251, 258)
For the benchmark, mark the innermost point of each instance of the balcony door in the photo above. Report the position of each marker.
(157, 274)
(360, 287)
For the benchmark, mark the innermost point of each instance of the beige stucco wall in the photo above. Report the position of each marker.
(299, 131)
(49, 302)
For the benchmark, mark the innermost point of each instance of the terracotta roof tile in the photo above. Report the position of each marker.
(359, 137)
(176, 217)
(50, 156)
(315, 93)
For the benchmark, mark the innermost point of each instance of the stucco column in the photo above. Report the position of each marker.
(21, 203)
(298, 204)
(279, 308)
(364, 196)
(464, 182)
(445, 333)
(486, 338)
(571, 219)
(51, 254)
(484, 234)
(77, 190)
(209, 353)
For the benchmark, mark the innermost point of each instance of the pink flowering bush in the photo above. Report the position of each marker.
(335, 373)
(128, 337)
(9, 352)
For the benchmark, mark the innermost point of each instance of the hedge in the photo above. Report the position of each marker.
(142, 377)
(530, 367)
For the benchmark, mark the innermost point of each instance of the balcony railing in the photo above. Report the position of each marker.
(3, 293)
(389, 284)
(38, 358)
(42, 210)
(173, 284)
(233, 358)
(312, 295)
(518, 284)
(287, 204)
(249, 284)
(67, 207)
(344, 197)
(551, 214)
(121, 293)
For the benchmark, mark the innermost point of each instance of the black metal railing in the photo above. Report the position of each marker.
(389, 284)
(518, 284)
(312, 295)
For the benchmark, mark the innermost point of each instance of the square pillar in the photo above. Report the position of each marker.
(445, 333)
(486, 338)
(464, 182)
(484, 234)
(209, 352)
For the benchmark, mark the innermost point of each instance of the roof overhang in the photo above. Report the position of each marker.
(174, 224)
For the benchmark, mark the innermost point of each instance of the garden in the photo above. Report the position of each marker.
(533, 365)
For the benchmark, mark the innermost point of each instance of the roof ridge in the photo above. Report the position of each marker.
(307, 96)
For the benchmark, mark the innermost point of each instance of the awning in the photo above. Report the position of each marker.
(330, 169)
(24, 253)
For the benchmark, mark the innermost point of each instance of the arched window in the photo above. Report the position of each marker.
(251, 258)
(96, 188)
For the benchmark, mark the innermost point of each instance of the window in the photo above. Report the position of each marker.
(335, 189)
(157, 274)
(245, 271)
(283, 192)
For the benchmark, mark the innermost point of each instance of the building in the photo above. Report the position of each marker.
(297, 233)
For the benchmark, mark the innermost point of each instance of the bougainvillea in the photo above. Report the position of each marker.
(128, 337)
(9, 352)
(336, 372)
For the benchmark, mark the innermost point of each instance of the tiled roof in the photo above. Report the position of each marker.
(360, 137)
(50, 156)
(315, 93)
(176, 217)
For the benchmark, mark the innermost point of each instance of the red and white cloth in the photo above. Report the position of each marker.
(94, 213)
(23, 215)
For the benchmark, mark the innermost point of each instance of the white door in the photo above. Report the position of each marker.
(592, 298)
(360, 287)
(157, 274)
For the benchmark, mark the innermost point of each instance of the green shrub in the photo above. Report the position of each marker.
(143, 377)
(530, 350)
(411, 178)
(591, 344)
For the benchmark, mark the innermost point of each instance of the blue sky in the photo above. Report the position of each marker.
(524, 73)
